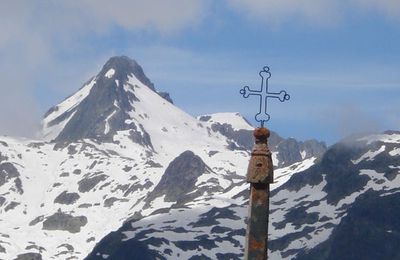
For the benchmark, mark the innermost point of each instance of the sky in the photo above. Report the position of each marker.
(338, 59)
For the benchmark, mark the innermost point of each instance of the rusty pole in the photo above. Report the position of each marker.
(259, 175)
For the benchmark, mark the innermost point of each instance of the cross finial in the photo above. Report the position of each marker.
(262, 115)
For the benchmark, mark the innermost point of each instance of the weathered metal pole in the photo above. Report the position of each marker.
(259, 175)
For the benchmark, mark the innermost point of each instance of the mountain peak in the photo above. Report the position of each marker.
(106, 104)
(120, 67)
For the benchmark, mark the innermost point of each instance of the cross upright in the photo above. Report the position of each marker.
(260, 174)
(264, 94)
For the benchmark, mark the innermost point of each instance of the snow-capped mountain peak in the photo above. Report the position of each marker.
(104, 105)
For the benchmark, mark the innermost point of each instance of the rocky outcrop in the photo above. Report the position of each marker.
(65, 222)
(180, 177)
(29, 256)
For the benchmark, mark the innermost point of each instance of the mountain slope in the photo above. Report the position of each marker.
(312, 215)
(310, 207)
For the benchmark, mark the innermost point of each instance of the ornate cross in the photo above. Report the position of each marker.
(262, 115)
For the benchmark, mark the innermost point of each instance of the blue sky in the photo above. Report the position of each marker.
(338, 59)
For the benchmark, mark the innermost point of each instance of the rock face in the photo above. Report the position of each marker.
(370, 230)
(180, 177)
(65, 222)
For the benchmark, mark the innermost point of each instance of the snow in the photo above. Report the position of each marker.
(234, 119)
(110, 73)
(386, 138)
(282, 175)
(395, 152)
(107, 125)
(369, 155)
(303, 154)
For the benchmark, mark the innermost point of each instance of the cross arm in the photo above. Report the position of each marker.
(246, 92)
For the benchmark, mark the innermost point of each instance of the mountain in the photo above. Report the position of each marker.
(343, 207)
(118, 152)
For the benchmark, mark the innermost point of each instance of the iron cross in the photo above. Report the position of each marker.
(264, 94)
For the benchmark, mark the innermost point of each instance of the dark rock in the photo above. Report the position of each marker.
(153, 164)
(2, 200)
(36, 247)
(36, 220)
(29, 256)
(89, 183)
(110, 201)
(117, 247)
(67, 198)
(36, 145)
(7, 172)
(212, 217)
(282, 242)
(66, 222)
(127, 168)
(11, 206)
(298, 217)
(220, 229)
(204, 118)
(85, 205)
(166, 96)
(64, 174)
(229, 256)
(137, 186)
(179, 177)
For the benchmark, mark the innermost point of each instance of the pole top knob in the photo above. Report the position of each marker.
(261, 133)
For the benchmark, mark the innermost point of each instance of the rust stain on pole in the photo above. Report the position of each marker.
(259, 175)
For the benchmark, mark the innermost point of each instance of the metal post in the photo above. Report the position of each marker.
(259, 175)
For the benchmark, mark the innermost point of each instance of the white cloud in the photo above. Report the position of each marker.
(280, 11)
(160, 15)
(36, 36)
(389, 8)
(315, 12)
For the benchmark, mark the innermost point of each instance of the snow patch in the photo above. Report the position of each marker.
(395, 152)
(110, 73)
(369, 155)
